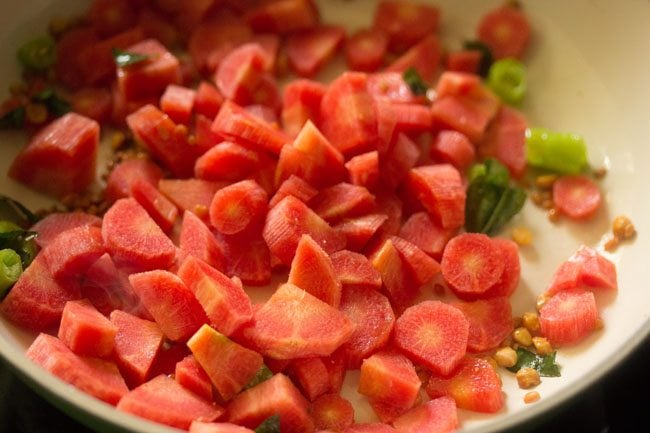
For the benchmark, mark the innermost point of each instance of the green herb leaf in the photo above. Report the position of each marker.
(124, 59)
(491, 201)
(13, 211)
(545, 365)
(38, 54)
(270, 425)
(263, 374)
(415, 82)
(10, 270)
(55, 105)
(14, 119)
(486, 56)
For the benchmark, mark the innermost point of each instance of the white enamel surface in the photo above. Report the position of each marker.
(588, 70)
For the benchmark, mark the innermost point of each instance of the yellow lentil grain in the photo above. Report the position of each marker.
(612, 243)
(505, 357)
(527, 378)
(36, 113)
(553, 215)
(623, 228)
(531, 397)
(545, 181)
(541, 300)
(522, 336)
(522, 236)
(600, 172)
(542, 346)
(530, 321)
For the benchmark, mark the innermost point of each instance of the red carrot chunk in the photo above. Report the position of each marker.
(422, 267)
(301, 101)
(240, 73)
(505, 139)
(435, 416)
(396, 164)
(52, 225)
(342, 200)
(471, 263)
(126, 173)
(217, 427)
(474, 385)
(434, 334)
(236, 367)
(509, 279)
(309, 50)
(355, 271)
(247, 256)
(440, 190)
(426, 234)
(295, 187)
(467, 61)
(137, 345)
(197, 240)
(74, 251)
(159, 207)
(365, 50)
(360, 231)
(372, 316)
(134, 239)
(506, 31)
(364, 170)
(396, 277)
(389, 381)
(65, 155)
(587, 268)
(227, 161)
(194, 195)
(193, 377)
(569, 317)
(578, 197)
(151, 77)
(311, 375)
(85, 330)
(165, 401)
(312, 271)
(453, 147)
(212, 39)
(283, 16)
(490, 322)
(392, 87)
(424, 57)
(208, 100)
(109, 17)
(237, 206)
(405, 22)
(332, 412)
(177, 102)
(288, 220)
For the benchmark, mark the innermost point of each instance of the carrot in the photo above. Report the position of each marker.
(332, 412)
(365, 50)
(505, 31)
(237, 206)
(577, 197)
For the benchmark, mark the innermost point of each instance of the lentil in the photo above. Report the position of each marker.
(545, 181)
(527, 378)
(522, 336)
(522, 236)
(506, 357)
(531, 397)
(623, 228)
(530, 321)
(542, 346)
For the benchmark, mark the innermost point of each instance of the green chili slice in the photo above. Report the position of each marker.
(10, 270)
(559, 152)
(38, 54)
(507, 78)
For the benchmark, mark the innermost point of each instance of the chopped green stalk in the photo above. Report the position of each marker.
(270, 425)
(22, 242)
(556, 151)
(39, 54)
(415, 82)
(486, 56)
(507, 78)
(54, 104)
(545, 365)
(126, 58)
(263, 374)
(10, 269)
(15, 212)
(491, 201)
(14, 119)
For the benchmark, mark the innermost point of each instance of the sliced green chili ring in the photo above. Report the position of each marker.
(10, 270)
(38, 54)
(507, 78)
(559, 152)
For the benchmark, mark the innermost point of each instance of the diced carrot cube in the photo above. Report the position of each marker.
(296, 187)
(342, 200)
(193, 377)
(283, 16)
(421, 230)
(194, 195)
(159, 207)
(355, 271)
(309, 50)
(73, 251)
(454, 148)
(405, 22)
(177, 102)
(365, 50)
(208, 100)
(569, 317)
(311, 376)
(364, 170)
(424, 57)
(490, 322)
(85, 330)
(468, 61)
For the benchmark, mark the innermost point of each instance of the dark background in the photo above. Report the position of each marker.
(619, 403)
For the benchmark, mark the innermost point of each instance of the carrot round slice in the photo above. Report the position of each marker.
(506, 31)
(237, 206)
(433, 334)
(365, 50)
(471, 263)
(332, 412)
(577, 197)
(569, 316)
